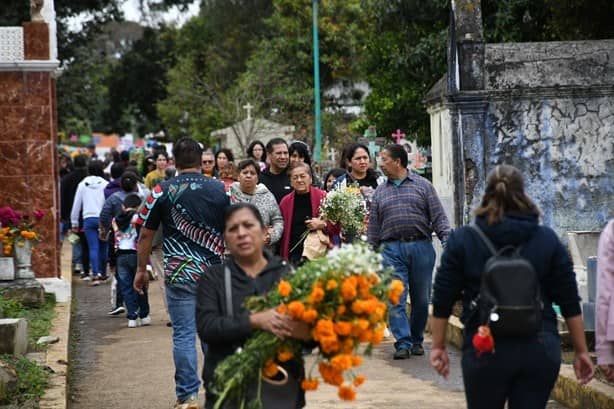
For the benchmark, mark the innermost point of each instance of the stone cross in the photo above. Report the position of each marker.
(332, 154)
(398, 135)
(248, 107)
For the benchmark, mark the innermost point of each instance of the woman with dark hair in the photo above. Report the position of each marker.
(331, 177)
(257, 151)
(247, 189)
(224, 324)
(299, 152)
(223, 157)
(356, 157)
(524, 368)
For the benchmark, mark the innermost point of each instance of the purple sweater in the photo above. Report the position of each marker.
(604, 320)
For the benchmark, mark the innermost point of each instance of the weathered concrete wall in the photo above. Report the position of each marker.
(565, 149)
(441, 149)
(550, 64)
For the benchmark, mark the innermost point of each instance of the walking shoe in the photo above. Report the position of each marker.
(145, 321)
(190, 403)
(117, 310)
(402, 353)
(132, 324)
(417, 350)
(86, 277)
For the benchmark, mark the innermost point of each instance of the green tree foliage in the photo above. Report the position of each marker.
(279, 75)
(212, 50)
(138, 80)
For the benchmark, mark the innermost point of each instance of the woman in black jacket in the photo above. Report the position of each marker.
(520, 370)
(252, 272)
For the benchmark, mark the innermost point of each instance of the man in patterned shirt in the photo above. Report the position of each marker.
(190, 209)
(404, 212)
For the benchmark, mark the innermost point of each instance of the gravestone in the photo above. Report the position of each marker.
(7, 269)
(13, 336)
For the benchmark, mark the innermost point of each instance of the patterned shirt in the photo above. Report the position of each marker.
(408, 210)
(191, 210)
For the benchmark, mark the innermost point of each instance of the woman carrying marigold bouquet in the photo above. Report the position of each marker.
(225, 324)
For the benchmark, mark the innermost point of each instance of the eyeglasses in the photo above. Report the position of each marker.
(207, 161)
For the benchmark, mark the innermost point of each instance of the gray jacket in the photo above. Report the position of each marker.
(264, 200)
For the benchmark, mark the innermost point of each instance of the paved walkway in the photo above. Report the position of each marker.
(113, 366)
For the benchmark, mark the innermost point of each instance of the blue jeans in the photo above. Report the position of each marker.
(182, 311)
(97, 247)
(137, 305)
(413, 264)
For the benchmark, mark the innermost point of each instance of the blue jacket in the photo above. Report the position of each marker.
(465, 255)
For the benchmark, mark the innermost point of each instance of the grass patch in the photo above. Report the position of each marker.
(39, 318)
(31, 379)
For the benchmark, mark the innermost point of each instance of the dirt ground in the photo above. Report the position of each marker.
(112, 366)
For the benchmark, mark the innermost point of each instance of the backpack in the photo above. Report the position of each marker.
(509, 301)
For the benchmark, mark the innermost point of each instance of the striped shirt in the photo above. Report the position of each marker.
(405, 211)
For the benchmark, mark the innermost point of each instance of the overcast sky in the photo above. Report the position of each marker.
(132, 13)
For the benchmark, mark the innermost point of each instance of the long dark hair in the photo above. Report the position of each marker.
(228, 153)
(250, 150)
(504, 193)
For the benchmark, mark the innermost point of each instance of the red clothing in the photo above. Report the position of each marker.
(287, 211)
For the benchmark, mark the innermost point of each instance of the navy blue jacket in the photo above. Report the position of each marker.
(465, 255)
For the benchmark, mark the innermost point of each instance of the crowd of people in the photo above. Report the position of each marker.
(208, 227)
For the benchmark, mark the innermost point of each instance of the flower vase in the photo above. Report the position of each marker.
(23, 259)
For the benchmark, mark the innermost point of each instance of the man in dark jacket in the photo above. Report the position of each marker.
(275, 177)
(68, 189)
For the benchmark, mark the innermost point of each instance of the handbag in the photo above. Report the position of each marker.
(275, 394)
(315, 245)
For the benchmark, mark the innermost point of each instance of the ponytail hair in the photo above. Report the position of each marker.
(504, 193)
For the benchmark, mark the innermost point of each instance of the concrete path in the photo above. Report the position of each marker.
(113, 366)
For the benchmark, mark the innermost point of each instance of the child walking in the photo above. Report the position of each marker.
(126, 236)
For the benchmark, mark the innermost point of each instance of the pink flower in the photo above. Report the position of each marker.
(9, 216)
(38, 214)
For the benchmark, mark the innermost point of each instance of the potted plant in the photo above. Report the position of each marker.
(18, 237)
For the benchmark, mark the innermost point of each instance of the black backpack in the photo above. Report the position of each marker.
(509, 301)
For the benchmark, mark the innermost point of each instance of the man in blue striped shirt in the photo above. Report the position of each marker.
(404, 212)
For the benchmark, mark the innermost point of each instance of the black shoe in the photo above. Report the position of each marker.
(117, 311)
(401, 354)
(417, 350)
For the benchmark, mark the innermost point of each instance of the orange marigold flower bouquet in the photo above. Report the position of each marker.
(17, 228)
(343, 298)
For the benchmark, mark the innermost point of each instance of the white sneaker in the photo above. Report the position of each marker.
(386, 333)
(146, 321)
(132, 324)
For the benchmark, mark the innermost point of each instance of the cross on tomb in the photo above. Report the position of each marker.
(398, 135)
(332, 154)
(248, 107)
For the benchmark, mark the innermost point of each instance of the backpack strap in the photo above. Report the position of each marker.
(228, 291)
(484, 238)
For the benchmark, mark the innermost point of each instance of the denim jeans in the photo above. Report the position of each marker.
(137, 305)
(413, 264)
(97, 247)
(181, 304)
